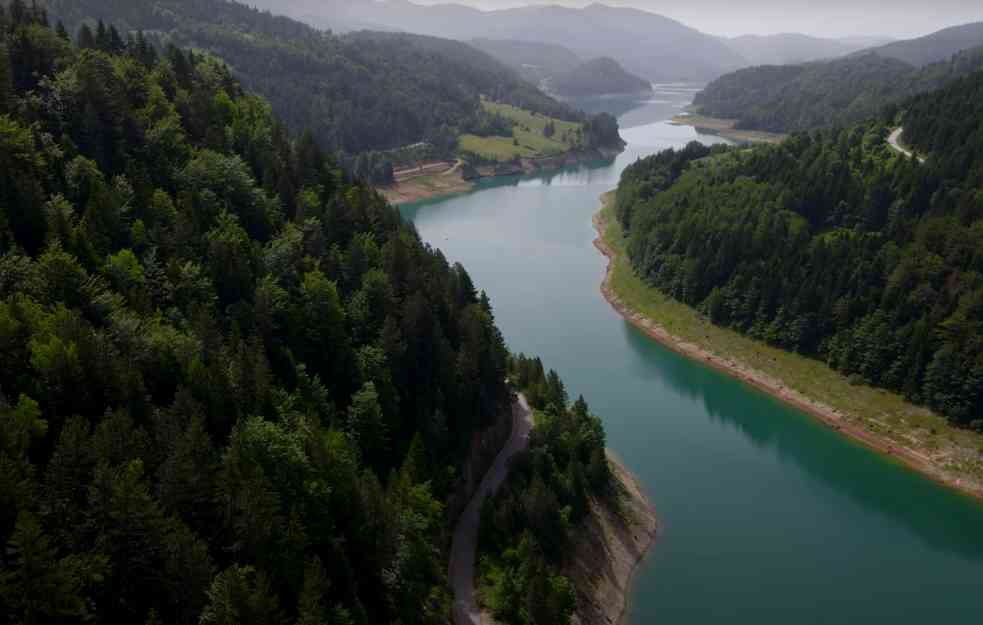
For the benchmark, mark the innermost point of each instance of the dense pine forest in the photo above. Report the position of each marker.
(792, 98)
(833, 245)
(235, 387)
(356, 92)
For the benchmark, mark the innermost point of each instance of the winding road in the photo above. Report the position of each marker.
(894, 140)
(465, 542)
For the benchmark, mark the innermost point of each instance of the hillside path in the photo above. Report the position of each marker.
(894, 140)
(465, 542)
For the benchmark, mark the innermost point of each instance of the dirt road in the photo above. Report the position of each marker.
(465, 543)
(894, 140)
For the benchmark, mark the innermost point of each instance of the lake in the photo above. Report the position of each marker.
(769, 517)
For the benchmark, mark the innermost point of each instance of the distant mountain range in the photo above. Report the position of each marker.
(938, 46)
(533, 60)
(788, 98)
(786, 48)
(652, 46)
(544, 40)
(649, 45)
(560, 71)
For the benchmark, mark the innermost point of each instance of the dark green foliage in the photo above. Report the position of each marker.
(357, 92)
(526, 529)
(835, 246)
(228, 373)
(6, 81)
(601, 131)
(491, 125)
(790, 98)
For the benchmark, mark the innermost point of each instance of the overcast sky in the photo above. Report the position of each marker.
(896, 18)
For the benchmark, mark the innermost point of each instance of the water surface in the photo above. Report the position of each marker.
(769, 517)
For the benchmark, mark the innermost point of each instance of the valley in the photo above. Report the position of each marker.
(371, 312)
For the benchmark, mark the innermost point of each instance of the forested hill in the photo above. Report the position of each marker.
(645, 43)
(947, 120)
(356, 92)
(533, 60)
(599, 76)
(835, 246)
(235, 386)
(935, 47)
(790, 98)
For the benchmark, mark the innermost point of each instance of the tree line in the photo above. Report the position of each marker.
(833, 245)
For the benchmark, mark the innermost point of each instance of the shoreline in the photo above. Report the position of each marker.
(725, 128)
(452, 181)
(426, 186)
(621, 537)
(770, 385)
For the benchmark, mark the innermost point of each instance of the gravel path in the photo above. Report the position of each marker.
(894, 140)
(465, 542)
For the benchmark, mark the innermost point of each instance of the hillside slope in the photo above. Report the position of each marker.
(649, 45)
(533, 60)
(786, 48)
(236, 385)
(935, 47)
(357, 92)
(873, 258)
(791, 98)
(601, 76)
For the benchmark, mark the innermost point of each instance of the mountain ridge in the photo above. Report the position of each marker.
(787, 98)
(647, 44)
(355, 92)
(595, 77)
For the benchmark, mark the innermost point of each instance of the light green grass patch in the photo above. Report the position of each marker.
(528, 133)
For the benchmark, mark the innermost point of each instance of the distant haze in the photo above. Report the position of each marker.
(825, 18)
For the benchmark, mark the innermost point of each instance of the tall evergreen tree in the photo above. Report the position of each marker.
(86, 39)
(6, 81)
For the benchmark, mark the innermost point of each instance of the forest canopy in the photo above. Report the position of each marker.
(234, 385)
(834, 245)
(355, 92)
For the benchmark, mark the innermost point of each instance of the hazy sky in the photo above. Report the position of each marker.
(897, 18)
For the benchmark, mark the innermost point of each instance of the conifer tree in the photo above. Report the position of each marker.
(6, 81)
(86, 39)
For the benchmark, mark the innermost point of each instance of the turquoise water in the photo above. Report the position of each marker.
(769, 517)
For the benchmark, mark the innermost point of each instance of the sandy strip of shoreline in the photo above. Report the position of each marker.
(775, 387)
(426, 187)
(726, 128)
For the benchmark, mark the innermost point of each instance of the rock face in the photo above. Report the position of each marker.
(601, 76)
(608, 548)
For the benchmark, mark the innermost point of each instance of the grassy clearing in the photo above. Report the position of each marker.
(888, 414)
(528, 133)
